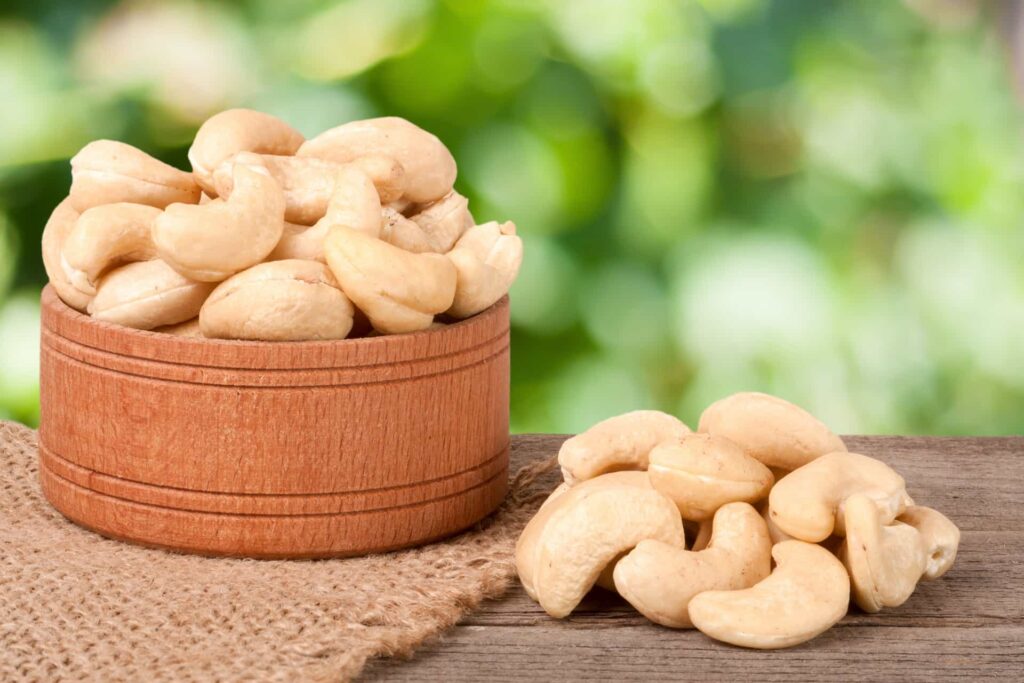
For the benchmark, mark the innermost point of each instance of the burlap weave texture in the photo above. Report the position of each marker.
(76, 606)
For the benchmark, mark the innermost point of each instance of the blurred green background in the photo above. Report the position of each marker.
(822, 200)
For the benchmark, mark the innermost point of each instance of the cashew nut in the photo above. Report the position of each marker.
(147, 294)
(107, 172)
(189, 329)
(487, 258)
(429, 167)
(216, 240)
(884, 561)
(445, 220)
(289, 300)
(397, 290)
(106, 236)
(401, 232)
(55, 233)
(659, 580)
(808, 503)
(564, 548)
(702, 472)
(226, 134)
(939, 537)
(774, 431)
(804, 596)
(622, 442)
(309, 184)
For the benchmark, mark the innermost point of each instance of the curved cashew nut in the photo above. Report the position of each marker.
(776, 432)
(226, 134)
(104, 237)
(148, 294)
(702, 472)
(808, 503)
(487, 259)
(107, 172)
(939, 537)
(397, 290)
(288, 300)
(622, 442)
(309, 183)
(564, 548)
(884, 561)
(429, 167)
(659, 580)
(216, 240)
(55, 233)
(189, 329)
(445, 220)
(804, 596)
(354, 204)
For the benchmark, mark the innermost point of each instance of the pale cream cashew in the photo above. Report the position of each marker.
(940, 538)
(189, 329)
(702, 472)
(806, 594)
(487, 258)
(401, 232)
(776, 432)
(397, 290)
(216, 240)
(884, 561)
(60, 223)
(808, 503)
(107, 172)
(445, 220)
(585, 529)
(309, 183)
(659, 580)
(226, 134)
(429, 167)
(289, 300)
(622, 442)
(105, 237)
(148, 294)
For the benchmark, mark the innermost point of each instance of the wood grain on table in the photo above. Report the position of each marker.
(967, 625)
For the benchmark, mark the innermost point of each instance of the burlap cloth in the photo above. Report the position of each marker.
(76, 606)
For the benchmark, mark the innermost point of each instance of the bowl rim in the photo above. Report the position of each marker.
(62, 320)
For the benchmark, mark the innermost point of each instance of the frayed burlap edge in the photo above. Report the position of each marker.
(76, 606)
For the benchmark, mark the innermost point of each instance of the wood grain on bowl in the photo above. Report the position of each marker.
(273, 449)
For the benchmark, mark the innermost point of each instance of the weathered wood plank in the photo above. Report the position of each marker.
(969, 624)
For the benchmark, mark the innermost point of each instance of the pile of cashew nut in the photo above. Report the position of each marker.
(357, 231)
(787, 525)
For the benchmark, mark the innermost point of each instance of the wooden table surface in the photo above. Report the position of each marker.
(967, 625)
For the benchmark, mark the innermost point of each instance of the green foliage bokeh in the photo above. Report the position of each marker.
(817, 199)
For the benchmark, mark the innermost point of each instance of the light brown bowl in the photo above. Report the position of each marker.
(282, 449)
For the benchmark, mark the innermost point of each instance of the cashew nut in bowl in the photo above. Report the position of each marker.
(807, 504)
(884, 561)
(805, 595)
(308, 183)
(429, 167)
(107, 172)
(60, 223)
(148, 294)
(622, 442)
(702, 472)
(104, 237)
(776, 432)
(189, 329)
(564, 548)
(445, 220)
(397, 290)
(939, 537)
(401, 232)
(487, 258)
(216, 240)
(660, 580)
(289, 300)
(226, 134)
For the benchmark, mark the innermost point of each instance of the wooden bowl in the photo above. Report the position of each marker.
(273, 449)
